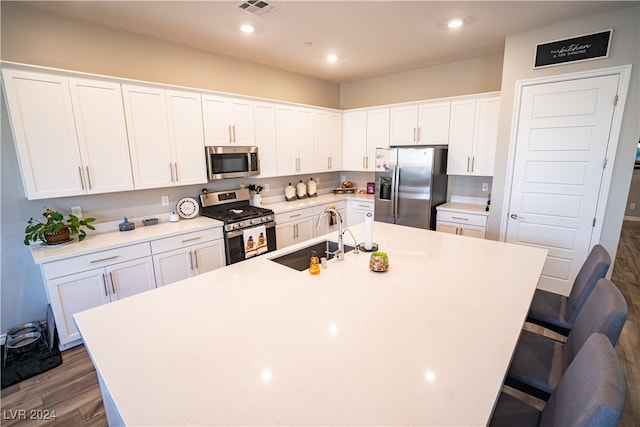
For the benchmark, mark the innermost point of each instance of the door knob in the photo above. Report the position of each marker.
(515, 216)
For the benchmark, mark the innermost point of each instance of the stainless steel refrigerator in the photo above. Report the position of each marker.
(410, 183)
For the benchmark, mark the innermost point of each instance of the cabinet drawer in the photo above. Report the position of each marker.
(294, 215)
(463, 218)
(97, 259)
(185, 240)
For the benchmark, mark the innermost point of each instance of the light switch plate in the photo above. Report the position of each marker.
(485, 186)
(77, 211)
(165, 200)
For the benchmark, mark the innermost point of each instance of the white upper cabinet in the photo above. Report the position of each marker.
(228, 121)
(265, 127)
(102, 135)
(294, 131)
(473, 136)
(327, 143)
(420, 124)
(185, 127)
(69, 134)
(363, 132)
(165, 136)
(354, 140)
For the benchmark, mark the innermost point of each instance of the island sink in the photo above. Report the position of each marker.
(299, 260)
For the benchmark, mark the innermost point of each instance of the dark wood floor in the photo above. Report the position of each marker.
(71, 391)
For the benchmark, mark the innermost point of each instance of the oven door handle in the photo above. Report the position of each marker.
(236, 233)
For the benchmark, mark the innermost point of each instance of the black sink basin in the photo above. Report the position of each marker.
(299, 260)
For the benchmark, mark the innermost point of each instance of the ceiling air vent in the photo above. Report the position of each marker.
(257, 7)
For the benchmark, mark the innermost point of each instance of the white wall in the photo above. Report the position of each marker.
(518, 65)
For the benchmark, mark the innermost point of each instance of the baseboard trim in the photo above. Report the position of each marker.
(632, 218)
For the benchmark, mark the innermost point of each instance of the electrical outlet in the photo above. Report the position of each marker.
(344, 178)
(77, 211)
(317, 181)
(165, 200)
(485, 186)
(632, 206)
(266, 188)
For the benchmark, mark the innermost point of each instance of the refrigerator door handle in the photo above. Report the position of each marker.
(394, 191)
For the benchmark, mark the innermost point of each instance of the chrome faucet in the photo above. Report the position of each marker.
(339, 253)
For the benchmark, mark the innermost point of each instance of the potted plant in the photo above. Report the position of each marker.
(56, 229)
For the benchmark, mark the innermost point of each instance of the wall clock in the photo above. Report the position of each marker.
(187, 207)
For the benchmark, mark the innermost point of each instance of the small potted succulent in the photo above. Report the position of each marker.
(56, 229)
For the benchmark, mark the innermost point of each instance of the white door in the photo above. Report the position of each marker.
(131, 278)
(208, 256)
(404, 125)
(102, 134)
(149, 142)
(561, 145)
(173, 266)
(45, 133)
(354, 141)
(73, 294)
(185, 125)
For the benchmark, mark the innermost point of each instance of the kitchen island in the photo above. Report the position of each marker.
(257, 343)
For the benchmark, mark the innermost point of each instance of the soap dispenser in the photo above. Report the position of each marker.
(314, 263)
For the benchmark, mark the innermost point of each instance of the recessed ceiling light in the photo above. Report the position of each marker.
(247, 28)
(332, 57)
(455, 23)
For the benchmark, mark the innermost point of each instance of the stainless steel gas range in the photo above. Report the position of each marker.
(248, 230)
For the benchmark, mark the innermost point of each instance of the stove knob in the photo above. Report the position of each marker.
(251, 221)
(235, 226)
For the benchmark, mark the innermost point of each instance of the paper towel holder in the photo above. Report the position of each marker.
(374, 247)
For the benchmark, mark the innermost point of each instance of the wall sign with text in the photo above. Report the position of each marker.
(580, 48)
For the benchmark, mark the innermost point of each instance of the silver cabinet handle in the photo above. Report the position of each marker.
(233, 127)
(191, 260)
(230, 135)
(473, 161)
(516, 216)
(192, 239)
(367, 166)
(103, 259)
(414, 134)
(175, 171)
(468, 160)
(104, 284)
(81, 177)
(88, 178)
(171, 171)
(113, 287)
(460, 218)
(295, 216)
(418, 134)
(363, 164)
(195, 258)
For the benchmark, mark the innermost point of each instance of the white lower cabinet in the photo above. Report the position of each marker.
(180, 257)
(80, 283)
(357, 210)
(462, 223)
(294, 227)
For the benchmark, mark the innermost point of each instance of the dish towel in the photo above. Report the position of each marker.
(255, 241)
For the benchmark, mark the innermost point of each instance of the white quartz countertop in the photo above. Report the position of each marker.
(472, 208)
(102, 241)
(281, 207)
(257, 343)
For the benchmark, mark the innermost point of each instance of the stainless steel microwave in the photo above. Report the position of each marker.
(232, 161)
